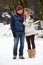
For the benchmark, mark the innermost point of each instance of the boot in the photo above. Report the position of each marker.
(21, 57)
(29, 53)
(14, 57)
(33, 51)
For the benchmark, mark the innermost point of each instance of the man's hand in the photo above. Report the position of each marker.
(14, 34)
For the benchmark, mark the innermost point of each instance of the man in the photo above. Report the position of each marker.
(18, 31)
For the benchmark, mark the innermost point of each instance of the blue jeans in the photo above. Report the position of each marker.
(20, 35)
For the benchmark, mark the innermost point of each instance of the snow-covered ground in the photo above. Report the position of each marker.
(6, 49)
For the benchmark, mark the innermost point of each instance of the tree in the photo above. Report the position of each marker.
(41, 5)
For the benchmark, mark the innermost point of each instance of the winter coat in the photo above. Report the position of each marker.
(17, 23)
(29, 27)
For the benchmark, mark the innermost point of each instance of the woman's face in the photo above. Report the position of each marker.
(26, 14)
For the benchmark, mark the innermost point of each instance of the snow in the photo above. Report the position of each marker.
(5, 30)
(6, 14)
(6, 49)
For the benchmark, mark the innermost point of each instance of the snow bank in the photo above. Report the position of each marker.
(5, 30)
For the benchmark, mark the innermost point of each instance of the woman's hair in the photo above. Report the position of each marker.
(27, 10)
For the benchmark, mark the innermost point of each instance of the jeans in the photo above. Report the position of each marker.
(20, 35)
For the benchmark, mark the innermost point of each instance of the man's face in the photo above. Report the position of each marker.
(20, 11)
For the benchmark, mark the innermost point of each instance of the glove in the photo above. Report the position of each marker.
(31, 16)
(14, 34)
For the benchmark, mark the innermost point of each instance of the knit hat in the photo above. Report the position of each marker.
(19, 7)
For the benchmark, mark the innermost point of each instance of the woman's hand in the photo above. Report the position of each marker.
(25, 18)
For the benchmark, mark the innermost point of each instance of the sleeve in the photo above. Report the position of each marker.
(12, 24)
(22, 18)
(26, 23)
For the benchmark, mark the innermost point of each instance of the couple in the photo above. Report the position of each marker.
(21, 25)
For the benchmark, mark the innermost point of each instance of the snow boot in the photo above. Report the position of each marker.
(29, 53)
(33, 52)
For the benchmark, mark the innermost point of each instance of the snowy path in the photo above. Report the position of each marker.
(6, 50)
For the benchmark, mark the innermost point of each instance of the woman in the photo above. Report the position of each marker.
(29, 32)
